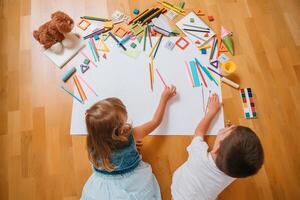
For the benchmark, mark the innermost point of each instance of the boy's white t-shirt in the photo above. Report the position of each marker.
(198, 178)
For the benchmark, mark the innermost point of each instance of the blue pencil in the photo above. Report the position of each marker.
(157, 46)
(70, 93)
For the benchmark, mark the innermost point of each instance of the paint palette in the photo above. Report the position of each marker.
(248, 103)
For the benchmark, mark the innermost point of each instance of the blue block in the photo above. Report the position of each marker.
(136, 11)
(203, 51)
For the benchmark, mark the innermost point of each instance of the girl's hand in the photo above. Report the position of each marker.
(214, 105)
(168, 93)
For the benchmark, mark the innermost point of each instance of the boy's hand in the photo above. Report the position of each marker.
(214, 105)
(168, 93)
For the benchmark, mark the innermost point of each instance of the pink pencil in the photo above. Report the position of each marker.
(87, 84)
(161, 78)
(88, 58)
(189, 73)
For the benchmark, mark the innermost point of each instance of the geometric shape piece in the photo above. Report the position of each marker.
(182, 43)
(120, 32)
(101, 46)
(83, 24)
(86, 61)
(170, 45)
(247, 115)
(210, 18)
(192, 20)
(194, 73)
(200, 13)
(136, 11)
(206, 35)
(136, 29)
(254, 115)
(215, 63)
(203, 51)
(104, 56)
(84, 68)
(197, 42)
(222, 47)
(108, 24)
(223, 58)
(133, 45)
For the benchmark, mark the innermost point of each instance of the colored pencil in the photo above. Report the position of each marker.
(118, 42)
(150, 75)
(159, 41)
(202, 97)
(215, 72)
(84, 81)
(79, 88)
(155, 14)
(192, 26)
(189, 73)
(98, 32)
(137, 16)
(194, 30)
(195, 36)
(161, 78)
(149, 35)
(71, 94)
(152, 72)
(202, 77)
(142, 19)
(95, 18)
(208, 74)
(88, 58)
(213, 48)
(151, 52)
(94, 48)
(145, 37)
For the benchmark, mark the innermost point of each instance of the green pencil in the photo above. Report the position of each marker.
(96, 18)
(70, 93)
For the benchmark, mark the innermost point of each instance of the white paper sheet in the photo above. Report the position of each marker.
(128, 79)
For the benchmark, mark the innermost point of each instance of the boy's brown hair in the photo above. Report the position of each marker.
(240, 154)
(107, 131)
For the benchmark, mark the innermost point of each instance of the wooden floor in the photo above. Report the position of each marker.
(39, 158)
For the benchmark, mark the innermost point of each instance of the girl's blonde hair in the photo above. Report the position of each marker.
(107, 131)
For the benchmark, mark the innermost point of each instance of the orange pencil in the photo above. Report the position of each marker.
(79, 88)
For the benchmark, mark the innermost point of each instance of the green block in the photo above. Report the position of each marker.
(192, 20)
(139, 38)
(133, 45)
(86, 61)
(181, 4)
(254, 115)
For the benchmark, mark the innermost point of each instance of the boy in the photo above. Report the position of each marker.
(237, 153)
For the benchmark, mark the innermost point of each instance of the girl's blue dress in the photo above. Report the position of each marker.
(132, 179)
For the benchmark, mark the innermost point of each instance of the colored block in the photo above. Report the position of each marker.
(254, 115)
(210, 18)
(203, 51)
(136, 11)
(108, 24)
(96, 37)
(192, 20)
(181, 4)
(247, 115)
(194, 74)
(133, 45)
(68, 74)
(86, 61)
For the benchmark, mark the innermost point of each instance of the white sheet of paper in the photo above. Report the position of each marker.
(61, 59)
(197, 22)
(128, 79)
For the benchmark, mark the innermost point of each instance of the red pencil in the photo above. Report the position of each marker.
(199, 70)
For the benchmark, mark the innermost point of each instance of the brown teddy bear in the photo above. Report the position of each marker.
(54, 31)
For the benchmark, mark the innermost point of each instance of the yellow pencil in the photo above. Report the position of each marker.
(154, 47)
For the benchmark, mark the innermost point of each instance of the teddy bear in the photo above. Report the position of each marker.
(54, 34)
